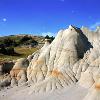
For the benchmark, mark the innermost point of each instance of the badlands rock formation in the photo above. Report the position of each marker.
(53, 67)
(18, 72)
(73, 57)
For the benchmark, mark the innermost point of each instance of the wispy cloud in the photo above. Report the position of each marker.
(48, 33)
(62, 0)
(95, 25)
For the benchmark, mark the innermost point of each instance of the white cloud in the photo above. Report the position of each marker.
(95, 25)
(47, 33)
(4, 19)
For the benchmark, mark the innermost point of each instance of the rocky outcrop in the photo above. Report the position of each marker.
(18, 72)
(52, 68)
(6, 81)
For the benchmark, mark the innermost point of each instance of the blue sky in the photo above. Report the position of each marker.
(41, 17)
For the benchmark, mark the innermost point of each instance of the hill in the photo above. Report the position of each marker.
(17, 46)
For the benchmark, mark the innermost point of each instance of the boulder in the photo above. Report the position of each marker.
(18, 72)
(5, 82)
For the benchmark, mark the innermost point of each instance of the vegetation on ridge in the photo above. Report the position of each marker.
(19, 46)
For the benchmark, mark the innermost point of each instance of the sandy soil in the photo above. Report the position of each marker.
(25, 93)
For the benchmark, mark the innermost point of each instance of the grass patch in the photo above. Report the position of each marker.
(22, 52)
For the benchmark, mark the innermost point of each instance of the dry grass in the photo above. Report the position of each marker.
(22, 52)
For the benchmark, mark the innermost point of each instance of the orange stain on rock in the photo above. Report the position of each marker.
(14, 72)
(56, 73)
(97, 86)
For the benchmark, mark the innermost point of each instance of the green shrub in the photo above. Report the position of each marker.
(2, 50)
(48, 37)
(7, 50)
(10, 51)
(25, 38)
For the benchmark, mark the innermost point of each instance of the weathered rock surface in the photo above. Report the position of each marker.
(5, 82)
(52, 68)
(94, 92)
(18, 72)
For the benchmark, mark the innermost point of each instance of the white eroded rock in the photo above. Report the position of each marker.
(52, 68)
(18, 72)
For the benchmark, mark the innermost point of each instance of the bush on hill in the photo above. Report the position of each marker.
(48, 37)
